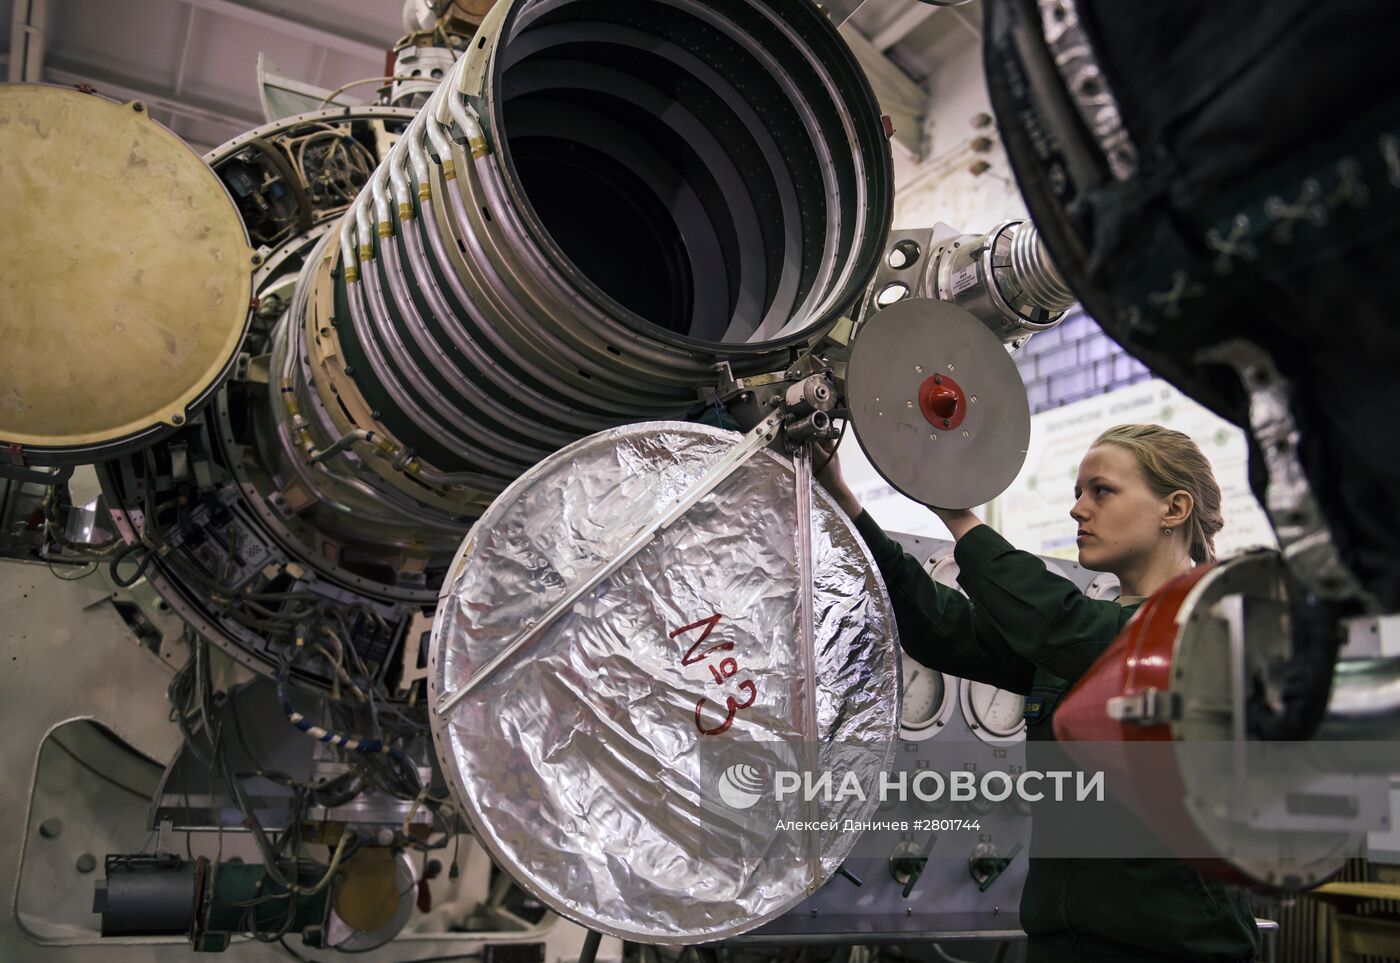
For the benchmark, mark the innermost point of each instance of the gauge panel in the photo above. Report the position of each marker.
(994, 715)
(929, 700)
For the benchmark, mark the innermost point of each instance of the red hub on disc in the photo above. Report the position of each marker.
(942, 401)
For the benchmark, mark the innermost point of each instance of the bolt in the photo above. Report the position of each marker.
(50, 828)
(918, 369)
(909, 404)
(86, 863)
(932, 436)
(965, 434)
(256, 259)
(178, 419)
(938, 379)
(947, 423)
(385, 836)
(349, 369)
(974, 399)
(375, 414)
(950, 366)
(138, 106)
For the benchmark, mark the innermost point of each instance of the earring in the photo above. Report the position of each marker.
(1166, 531)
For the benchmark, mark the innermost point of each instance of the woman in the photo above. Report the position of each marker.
(1148, 508)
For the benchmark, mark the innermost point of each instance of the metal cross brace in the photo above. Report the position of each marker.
(753, 442)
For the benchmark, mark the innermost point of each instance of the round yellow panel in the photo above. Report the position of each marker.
(125, 274)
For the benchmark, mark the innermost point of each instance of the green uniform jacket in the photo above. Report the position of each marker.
(1027, 630)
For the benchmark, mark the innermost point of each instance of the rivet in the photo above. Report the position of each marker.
(51, 827)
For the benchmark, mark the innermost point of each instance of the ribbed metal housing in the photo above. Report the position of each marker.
(600, 203)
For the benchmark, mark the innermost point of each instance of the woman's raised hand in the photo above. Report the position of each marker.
(829, 476)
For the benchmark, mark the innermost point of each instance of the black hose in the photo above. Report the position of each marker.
(121, 555)
(590, 947)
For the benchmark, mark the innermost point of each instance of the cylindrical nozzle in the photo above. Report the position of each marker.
(599, 204)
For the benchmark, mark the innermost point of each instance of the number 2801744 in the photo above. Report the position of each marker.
(722, 670)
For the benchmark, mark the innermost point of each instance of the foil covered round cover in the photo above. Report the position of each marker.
(619, 766)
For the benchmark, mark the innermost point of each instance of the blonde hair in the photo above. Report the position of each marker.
(1171, 461)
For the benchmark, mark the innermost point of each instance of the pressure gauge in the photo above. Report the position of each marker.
(994, 715)
(943, 568)
(1104, 586)
(928, 701)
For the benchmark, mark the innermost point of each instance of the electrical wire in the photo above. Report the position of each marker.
(832, 454)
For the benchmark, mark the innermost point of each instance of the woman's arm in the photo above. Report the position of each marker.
(1041, 616)
(938, 627)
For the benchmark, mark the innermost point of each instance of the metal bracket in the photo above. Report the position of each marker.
(1305, 540)
(1150, 707)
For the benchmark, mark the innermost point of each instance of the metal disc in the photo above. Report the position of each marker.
(951, 445)
(593, 765)
(125, 275)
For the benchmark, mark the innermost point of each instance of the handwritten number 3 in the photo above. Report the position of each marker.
(733, 707)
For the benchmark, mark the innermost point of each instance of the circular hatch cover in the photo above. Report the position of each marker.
(125, 276)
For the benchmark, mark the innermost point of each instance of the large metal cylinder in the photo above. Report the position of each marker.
(599, 204)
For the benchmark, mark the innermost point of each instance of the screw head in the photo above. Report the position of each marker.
(138, 107)
(178, 419)
(86, 863)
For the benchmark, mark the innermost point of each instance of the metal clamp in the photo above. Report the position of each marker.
(1150, 707)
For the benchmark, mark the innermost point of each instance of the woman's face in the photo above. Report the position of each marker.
(1120, 518)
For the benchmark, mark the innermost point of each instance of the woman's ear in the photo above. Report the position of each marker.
(1177, 508)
